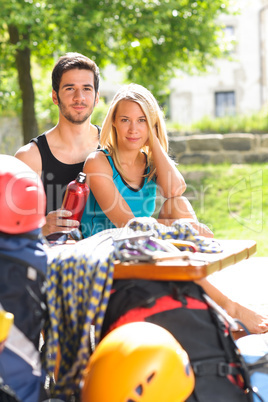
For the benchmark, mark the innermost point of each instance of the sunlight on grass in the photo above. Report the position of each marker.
(231, 200)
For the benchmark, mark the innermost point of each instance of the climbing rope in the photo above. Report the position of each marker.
(179, 230)
(78, 289)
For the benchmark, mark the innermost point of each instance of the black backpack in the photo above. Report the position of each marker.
(23, 290)
(182, 308)
(23, 265)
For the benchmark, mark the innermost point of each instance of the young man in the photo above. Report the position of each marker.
(58, 155)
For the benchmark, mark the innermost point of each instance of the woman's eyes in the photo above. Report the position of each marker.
(140, 120)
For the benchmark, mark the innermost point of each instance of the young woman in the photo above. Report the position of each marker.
(124, 174)
(133, 162)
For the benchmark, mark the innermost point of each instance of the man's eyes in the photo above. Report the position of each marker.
(86, 89)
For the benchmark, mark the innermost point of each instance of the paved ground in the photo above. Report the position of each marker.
(245, 282)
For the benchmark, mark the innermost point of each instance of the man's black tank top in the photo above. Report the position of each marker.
(55, 174)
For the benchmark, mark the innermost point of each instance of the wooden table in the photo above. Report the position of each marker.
(198, 266)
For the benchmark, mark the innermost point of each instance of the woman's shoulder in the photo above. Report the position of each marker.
(97, 162)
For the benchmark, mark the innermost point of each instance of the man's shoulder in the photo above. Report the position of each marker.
(40, 138)
(30, 155)
(27, 149)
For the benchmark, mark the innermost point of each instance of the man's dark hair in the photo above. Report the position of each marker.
(71, 61)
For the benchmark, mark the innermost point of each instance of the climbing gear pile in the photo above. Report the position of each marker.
(80, 280)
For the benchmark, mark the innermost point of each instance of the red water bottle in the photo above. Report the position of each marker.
(75, 197)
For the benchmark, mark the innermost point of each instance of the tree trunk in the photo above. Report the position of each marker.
(23, 64)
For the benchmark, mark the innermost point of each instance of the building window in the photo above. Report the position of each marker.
(229, 31)
(229, 40)
(225, 103)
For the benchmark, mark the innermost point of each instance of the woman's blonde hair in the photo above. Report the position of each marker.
(154, 116)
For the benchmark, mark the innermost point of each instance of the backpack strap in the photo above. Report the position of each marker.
(214, 367)
(261, 365)
(22, 262)
(31, 236)
(6, 393)
(14, 259)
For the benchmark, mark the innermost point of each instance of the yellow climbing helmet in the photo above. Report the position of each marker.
(138, 362)
(6, 321)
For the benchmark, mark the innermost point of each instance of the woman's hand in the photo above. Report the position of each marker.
(169, 180)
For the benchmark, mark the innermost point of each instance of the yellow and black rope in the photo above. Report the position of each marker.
(78, 289)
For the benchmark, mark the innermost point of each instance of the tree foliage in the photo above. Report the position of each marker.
(150, 39)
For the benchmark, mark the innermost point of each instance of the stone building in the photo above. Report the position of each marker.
(234, 86)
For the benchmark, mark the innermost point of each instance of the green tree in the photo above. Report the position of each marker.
(150, 39)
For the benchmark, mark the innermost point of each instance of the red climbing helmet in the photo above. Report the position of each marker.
(22, 197)
(138, 362)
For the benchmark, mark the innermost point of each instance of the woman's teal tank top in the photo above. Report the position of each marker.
(141, 202)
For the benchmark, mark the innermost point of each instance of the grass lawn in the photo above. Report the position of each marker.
(232, 200)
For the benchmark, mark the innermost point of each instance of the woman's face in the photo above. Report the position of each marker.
(131, 125)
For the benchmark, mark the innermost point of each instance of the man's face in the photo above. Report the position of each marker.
(76, 97)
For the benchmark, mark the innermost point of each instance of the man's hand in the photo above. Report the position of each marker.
(56, 222)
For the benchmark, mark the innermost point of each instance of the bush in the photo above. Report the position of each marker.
(251, 123)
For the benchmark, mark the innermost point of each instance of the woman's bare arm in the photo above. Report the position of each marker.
(100, 181)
